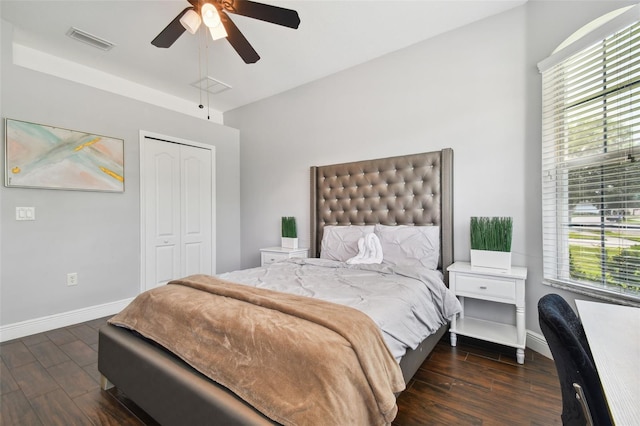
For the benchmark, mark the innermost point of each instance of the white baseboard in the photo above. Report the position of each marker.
(538, 343)
(64, 319)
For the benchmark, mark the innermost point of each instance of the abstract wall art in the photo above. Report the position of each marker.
(39, 156)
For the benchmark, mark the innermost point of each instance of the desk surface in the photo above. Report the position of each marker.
(613, 333)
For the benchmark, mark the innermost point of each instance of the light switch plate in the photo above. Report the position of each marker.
(25, 213)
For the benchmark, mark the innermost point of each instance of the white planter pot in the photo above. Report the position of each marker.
(497, 260)
(291, 243)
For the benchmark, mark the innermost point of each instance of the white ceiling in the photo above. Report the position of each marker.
(333, 35)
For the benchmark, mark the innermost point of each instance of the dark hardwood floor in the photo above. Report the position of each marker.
(52, 379)
(479, 383)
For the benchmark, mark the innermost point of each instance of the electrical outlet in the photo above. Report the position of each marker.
(72, 278)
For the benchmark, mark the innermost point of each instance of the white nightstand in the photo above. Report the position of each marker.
(485, 284)
(273, 254)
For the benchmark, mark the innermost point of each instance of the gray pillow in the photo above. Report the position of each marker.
(404, 245)
(341, 242)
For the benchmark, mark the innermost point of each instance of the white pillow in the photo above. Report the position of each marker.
(410, 245)
(341, 242)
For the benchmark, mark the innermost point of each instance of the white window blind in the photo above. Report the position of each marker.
(591, 168)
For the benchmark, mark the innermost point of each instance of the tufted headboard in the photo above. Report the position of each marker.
(406, 190)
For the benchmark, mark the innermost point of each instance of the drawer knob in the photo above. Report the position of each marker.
(483, 287)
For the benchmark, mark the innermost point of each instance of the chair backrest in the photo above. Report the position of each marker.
(574, 362)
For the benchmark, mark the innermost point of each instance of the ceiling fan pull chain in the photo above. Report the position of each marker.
(200, 69)
(207, 76)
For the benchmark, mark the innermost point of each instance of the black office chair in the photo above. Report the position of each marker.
(583, 401)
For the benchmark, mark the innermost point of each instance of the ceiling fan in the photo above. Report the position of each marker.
(214, 15)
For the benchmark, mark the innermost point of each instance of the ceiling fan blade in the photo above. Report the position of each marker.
(238, 41)
(264, 12)
(171, 32)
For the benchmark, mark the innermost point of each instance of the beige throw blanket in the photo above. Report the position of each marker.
(298, 360)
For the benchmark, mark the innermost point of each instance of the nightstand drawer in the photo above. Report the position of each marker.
(486, 288)
(276, 254)
(268, 258)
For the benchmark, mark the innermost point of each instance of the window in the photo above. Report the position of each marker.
(591, 162)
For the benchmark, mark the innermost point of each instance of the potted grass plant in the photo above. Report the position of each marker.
(491, 242)
(289, 232)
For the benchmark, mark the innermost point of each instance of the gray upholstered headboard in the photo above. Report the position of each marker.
(406, 190)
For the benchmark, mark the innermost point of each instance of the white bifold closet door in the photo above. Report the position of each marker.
(177, 194)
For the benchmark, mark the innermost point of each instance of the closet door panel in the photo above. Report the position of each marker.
(196, 210)
(162, 199)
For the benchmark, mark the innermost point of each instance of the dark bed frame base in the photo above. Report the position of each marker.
(413, 359)
(173, 393)
(164, 386)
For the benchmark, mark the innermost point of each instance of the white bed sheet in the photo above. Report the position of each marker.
(407, 303)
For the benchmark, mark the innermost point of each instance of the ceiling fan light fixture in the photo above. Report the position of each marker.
(210, 15)
(217, 32)
(214, 15)
(191, 21)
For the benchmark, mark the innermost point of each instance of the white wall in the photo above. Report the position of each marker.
(475, 89)
(94, 234)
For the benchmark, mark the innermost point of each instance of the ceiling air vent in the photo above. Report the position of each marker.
(90, 39)
(211, 85)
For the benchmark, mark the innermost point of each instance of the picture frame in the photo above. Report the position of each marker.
(48, 157)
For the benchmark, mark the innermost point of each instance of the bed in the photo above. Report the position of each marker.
(397, 191)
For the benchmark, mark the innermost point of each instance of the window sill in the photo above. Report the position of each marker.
(596, 293)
